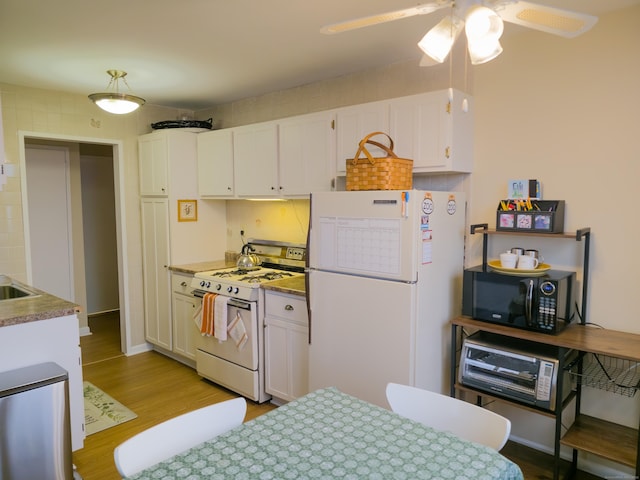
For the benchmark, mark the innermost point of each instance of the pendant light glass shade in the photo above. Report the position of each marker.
(438, 41)
(484, 50)
(113, 101)
(483, 28)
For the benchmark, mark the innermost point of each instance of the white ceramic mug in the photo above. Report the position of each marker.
(527, 262)
(508, 260)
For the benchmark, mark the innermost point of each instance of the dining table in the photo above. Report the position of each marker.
(328, 434)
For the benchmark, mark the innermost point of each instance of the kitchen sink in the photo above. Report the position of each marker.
(10, 291)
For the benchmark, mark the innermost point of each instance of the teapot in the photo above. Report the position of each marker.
(248, 260)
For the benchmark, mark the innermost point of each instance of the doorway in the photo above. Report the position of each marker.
(115, 176)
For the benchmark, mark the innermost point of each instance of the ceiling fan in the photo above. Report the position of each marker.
(482, 22)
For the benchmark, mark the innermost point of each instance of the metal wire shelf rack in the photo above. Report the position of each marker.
(611, 374)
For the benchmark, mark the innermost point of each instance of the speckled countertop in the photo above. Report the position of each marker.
(30, 309)
(192, 268)
(295, 286)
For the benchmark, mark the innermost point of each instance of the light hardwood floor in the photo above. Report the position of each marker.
(157, 388)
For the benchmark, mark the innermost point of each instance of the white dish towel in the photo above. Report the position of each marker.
(220, 318)
(238, 332)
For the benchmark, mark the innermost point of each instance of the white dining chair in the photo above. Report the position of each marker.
(177, 435)
(442, 412)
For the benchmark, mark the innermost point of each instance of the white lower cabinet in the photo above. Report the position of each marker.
(286, 345)
(183, 307)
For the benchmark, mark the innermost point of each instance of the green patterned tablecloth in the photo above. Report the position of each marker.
(328, 434)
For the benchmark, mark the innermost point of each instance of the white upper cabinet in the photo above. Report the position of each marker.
(153, 156)
(434, 132)
(306, 154)
(353, 124)
(215, 163)
(255, 156)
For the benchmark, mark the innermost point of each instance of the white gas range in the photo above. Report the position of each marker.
(237, 292)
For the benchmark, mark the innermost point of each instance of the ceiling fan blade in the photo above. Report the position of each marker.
(385, 17)
(547, 19)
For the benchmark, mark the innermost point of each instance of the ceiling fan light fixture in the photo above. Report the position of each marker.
(113, 101)
(483, 51)
(438, 41)
(483, 23)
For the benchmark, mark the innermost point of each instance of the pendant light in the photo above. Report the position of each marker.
(113, 101)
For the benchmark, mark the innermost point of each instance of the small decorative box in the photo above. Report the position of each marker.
(545, 216)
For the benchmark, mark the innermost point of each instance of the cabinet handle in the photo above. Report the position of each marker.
(229, 188)
(447, 152)
(183, 284)
(288, 307)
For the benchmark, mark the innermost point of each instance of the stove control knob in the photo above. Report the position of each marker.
(202, 283)
(230, 289)
(218, 287)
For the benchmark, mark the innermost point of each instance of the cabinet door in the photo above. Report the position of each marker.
(286, 346)
(255, 150)
(184, 329)
(215, 163)
(424, 128)
(306, 154)
(276, 358)
(153, 165)
(353, 124)
(417, 130)
(155, 261)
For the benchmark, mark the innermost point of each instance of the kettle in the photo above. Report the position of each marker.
(247, 260)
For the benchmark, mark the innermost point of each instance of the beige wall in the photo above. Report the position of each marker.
(68, 117)
(566, 112)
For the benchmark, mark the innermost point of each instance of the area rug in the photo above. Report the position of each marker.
(101, 411)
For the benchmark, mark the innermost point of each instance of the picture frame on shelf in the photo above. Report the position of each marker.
(187, 210)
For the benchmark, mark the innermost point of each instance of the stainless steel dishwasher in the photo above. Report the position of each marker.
(35, 432)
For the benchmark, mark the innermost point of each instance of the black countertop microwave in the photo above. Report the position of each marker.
(544, 303)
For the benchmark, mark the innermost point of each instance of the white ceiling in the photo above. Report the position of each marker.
(194, 54)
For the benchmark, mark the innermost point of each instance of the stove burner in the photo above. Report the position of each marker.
(232, 273)
(265, 277)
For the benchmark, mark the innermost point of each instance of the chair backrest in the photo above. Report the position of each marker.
(177, 435)
(441, 412)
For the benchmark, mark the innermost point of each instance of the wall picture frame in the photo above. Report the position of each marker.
(187, 210)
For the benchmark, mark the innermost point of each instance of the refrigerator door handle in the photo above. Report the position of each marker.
(307, 295)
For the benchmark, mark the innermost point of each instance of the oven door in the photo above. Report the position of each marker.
(248, 355)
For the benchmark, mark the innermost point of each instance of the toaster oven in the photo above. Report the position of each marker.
(515, 369)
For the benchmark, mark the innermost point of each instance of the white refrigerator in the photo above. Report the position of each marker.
(385, 278)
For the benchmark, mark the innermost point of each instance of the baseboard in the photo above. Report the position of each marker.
(136, 349)
(587, 463)
(84, 331)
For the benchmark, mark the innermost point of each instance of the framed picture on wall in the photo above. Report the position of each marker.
(187, 210)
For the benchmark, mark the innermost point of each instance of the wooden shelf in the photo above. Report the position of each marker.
(605, 439)
(489, 231)
(523, 406)
(576, 336)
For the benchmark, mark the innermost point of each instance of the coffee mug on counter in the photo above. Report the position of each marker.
(508, 260)
(527, 262)
(517, 250)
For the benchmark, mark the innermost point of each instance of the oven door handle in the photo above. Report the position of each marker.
(232, 301)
